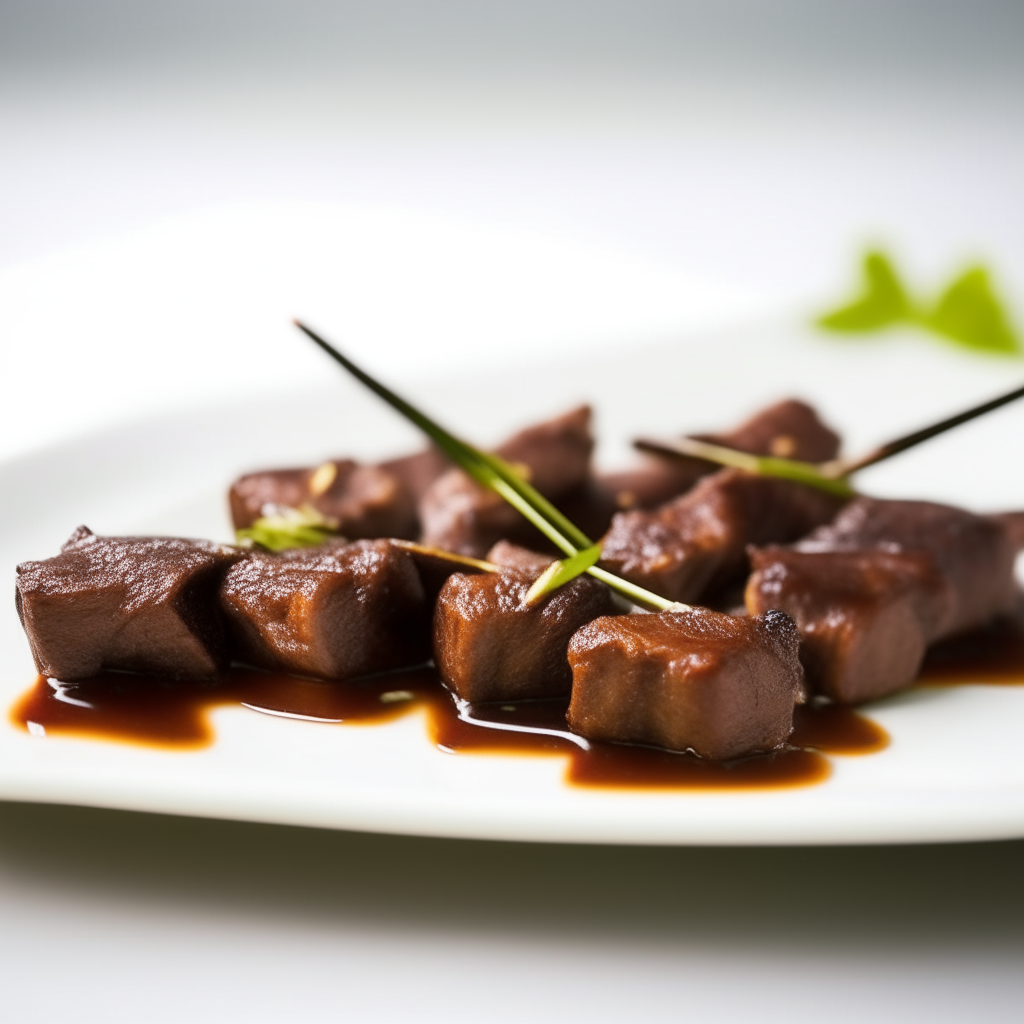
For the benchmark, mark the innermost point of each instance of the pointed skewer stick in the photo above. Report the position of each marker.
(832, 476)
(844, 467)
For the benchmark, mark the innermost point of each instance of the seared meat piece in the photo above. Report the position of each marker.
(134, 604)
(417, 472)
(790, 429)
(688, 680)
(489, 646)
(864, 617)
(652, 483)
(870, 591)
(696, 545)
(345, 612)
(366, 501)
(973, 552)
(1013, 523)
(512, 556)
(460, 515)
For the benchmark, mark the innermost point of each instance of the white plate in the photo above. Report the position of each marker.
(955, 767)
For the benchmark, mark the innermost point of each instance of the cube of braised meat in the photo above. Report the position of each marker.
(871, 590)
(789, 429)
(513, 556)
(366, 501)
(689, 680)
(653, 482)
(488, 645)
(417, 472)
(1013, 524)
(459, 515)
(693, 547)
(975, 553)
(134, 604)
(346, 612)
(865, 617)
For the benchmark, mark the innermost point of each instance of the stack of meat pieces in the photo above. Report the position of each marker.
(850, 595)
(871, 590)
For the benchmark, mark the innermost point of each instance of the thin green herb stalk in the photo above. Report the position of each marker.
(447, 556)
(557, 574)
(473, 461)
(832, 476)
(493, 472)
(764, 465)
(288, 528)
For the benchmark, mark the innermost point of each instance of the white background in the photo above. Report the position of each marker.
(748, 148)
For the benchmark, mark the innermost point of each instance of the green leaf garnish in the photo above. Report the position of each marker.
(882, 303)
(498, 475)
(288, 528)
(557, 574)
(970, 314)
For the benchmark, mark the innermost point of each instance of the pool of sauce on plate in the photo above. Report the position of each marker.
(174, 714)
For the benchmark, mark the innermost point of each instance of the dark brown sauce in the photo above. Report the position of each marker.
(991, 656)
(175, 715)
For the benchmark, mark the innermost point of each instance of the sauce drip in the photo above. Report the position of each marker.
(173, 714)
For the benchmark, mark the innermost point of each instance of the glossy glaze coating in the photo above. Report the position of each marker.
(489, 646)
(138, 604)
(354, 609)
(873, 589)
(696, 545)
(865, 617)
(699, 680)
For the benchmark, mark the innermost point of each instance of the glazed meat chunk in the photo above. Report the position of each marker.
(693, 680)
(870, 591)
(417, 472)
(459, 515)
(512, 556)
(975, 553)
(132, 604)
(790, 429)
(865, 617)
(347, 611)
(489, 646)
(365, 501)
(693, 547)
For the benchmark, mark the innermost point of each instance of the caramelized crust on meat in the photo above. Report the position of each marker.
(696, 545)
(489, 646)
(347, 611)
(133, 604)
(693, 680)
